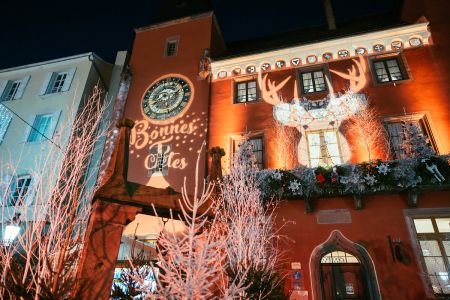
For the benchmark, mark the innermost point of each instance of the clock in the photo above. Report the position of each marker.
(166, 98)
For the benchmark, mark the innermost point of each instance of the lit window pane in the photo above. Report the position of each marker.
(314, 151)
(241, 86)
(435, 265)
(313, 139)
(330, 137)
(319, 81)
(308, 86)
(314, 162)
(443, 224)
(423, 225)
(446, 247)
(430, 248)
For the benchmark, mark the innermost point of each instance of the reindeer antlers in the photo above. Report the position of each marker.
(356, 76)
(357, 81)
(270, 95)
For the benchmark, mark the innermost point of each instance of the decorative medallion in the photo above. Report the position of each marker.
(250, 69)
(343, 53)
(378, 48)
(311, 59)
(280, 64)
(265, 66)
(166, 98)
(295, 62)
(397, 45)
(415, 42)
(327, 56)
(237, 71)
(222, 74)
(361, 51)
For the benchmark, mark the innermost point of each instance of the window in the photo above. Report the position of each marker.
(161, 159)
(257, 148)
(313, 81)
(158, 162)
(41, 127)
(171, 47)
(18, 189)
(246, 91)
(5, 119)
(57, 82)
(13, 89)
(433, 235)
(389, 69)
(408, 134)
(338, 257)
(323, 148)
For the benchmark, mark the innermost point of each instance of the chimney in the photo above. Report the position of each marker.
(329, 14)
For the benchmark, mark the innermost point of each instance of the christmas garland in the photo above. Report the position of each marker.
(363, 178)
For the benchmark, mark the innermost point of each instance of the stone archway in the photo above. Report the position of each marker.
(338, 242)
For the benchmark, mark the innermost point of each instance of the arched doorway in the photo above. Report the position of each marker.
(341, 269)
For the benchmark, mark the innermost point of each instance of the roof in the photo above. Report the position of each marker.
(54, 61)
(310, 35)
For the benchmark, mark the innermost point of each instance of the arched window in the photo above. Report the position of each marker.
(338, 257)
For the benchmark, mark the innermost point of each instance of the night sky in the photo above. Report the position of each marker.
(44, 30)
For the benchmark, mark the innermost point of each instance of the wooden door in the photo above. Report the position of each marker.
(342, 281)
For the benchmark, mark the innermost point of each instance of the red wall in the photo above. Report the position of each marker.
(427, 89)
(148, 63)
(382, 216)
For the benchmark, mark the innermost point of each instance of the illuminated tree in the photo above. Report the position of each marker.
(368, 134)
(253, 241)
(49, 214)
(285, 144)
(229, 248)
(192, 263)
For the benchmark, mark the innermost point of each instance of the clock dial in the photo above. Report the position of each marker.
(166, 98)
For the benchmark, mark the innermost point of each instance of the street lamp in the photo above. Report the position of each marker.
(12, 230)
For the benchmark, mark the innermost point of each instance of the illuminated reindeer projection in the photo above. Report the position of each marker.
(311, 115)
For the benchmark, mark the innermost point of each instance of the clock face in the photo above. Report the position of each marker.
(166, 98)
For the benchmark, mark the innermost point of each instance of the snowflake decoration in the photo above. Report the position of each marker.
(370, 179)
(294, 186)
(277, 175)
(383, 168)
(344, 179)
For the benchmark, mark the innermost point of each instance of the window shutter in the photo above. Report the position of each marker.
(30, 194)
(22, 86)
(5, 119)
(45, 84)
(68, 80)
(5, 183)
(55, 120)
(2, 88)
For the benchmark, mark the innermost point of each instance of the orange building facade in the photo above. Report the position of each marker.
(360, 229)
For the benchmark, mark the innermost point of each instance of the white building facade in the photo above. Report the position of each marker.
(38, 103)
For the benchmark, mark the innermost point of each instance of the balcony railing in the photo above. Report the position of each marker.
(406, 175)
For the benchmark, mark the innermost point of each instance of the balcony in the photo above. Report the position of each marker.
(410, 176)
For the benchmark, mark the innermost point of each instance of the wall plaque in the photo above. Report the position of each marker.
(334, 216)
